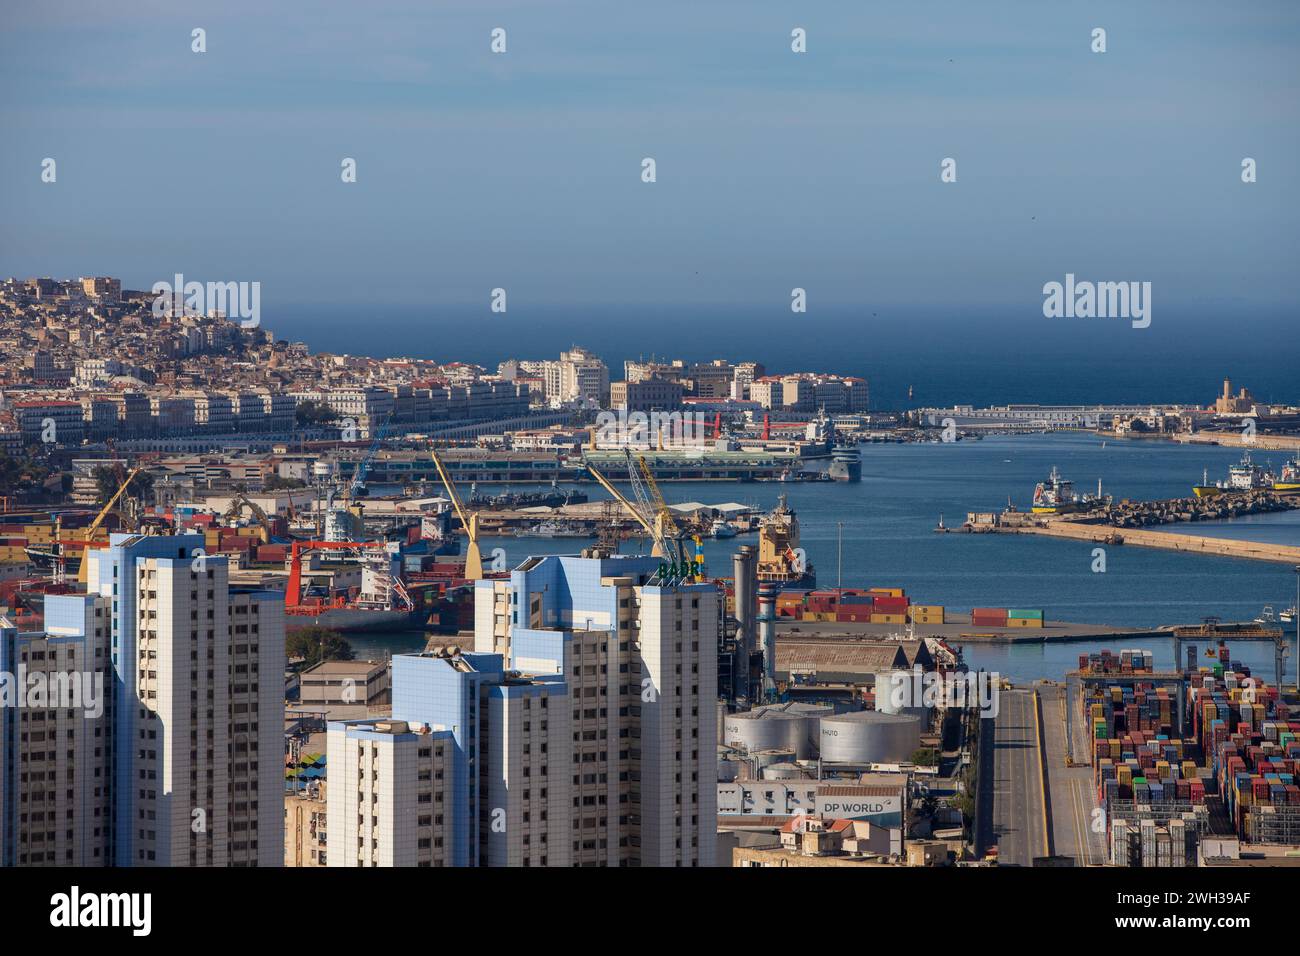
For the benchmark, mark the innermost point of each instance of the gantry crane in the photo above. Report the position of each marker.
(358, 486)
(468, 520)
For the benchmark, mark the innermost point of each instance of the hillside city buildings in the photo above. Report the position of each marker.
(100, 363)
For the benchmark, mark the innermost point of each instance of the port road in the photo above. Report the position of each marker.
(1077, 828)
(1020, 825)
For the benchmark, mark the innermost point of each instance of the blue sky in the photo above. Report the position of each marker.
(775, 170)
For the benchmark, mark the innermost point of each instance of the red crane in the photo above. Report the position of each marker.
(293, 591)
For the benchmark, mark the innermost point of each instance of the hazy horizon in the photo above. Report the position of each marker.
(775, 170)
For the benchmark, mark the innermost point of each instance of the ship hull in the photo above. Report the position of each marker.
(845, 470)
(354, 621)
(805, 581)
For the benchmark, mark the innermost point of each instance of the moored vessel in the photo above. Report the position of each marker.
(1243, 476)
(846, 464)
(1056, 495)
(1289, 479)
(780, 559)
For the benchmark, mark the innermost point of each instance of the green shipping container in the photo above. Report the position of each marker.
(1024, 614)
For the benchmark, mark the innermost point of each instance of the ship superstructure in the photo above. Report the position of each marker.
(1056, 495)
(1245, 475)
(780, 559)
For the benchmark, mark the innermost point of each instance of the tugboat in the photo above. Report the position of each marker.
(1057, 496)
(721, 528)
(1243, 476)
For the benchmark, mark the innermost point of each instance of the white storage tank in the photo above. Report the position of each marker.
(869, 736)
(885, 697)
(775, 727)
(784, 771)
(766, 759)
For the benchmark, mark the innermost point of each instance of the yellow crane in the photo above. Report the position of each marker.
(661, 509)
(468, 519)
(237, 503)
(652, 525)
(690, 566)
(82, 573)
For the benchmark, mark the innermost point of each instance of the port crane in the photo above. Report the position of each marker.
(468, 519)
(293, 589)
(358, 485)
(653, 515)
(89, 534)
(237, 505)
(658, 549)
(692, 566)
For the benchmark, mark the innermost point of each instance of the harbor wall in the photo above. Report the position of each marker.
(1189, 543)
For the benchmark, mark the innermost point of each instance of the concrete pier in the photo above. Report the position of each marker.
(1143, 537)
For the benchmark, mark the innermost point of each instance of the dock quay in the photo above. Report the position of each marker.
(1129, 522)
(960, 632)
(1143, 537)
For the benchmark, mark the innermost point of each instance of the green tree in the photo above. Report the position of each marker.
(278, 483)
(315, 644)
(926, 757)
(308, 414)
(21, 473)
(107, 482)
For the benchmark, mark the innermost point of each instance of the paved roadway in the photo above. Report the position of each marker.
(1070, 789)
(1018, 811)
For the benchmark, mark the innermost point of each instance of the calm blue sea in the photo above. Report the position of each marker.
(887, 524)
(982, 358)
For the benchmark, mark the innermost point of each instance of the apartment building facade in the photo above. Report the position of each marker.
(389, 794)
(197, 748)
(54, 760)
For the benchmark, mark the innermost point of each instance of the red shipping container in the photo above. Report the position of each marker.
(891, 605)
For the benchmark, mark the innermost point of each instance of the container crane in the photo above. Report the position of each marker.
(468, 520)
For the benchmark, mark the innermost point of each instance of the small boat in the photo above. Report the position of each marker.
(722, 529)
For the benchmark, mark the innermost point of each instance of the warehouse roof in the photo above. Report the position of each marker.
(840, 656)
